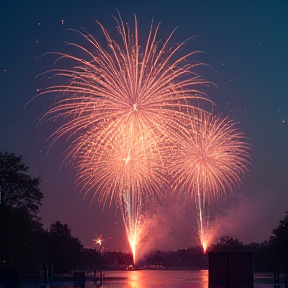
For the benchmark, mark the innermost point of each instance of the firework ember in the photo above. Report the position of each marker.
(98, 240)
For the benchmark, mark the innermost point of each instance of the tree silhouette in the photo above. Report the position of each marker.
(227, 244)
(20, 229)
(64, 249)
(279, 245)
(17, 188)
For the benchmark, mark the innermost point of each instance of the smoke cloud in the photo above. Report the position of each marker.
(167, 227)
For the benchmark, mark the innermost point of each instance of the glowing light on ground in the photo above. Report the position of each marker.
(123, 108)
(204, 245)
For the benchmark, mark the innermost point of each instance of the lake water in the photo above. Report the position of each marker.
(157, 279)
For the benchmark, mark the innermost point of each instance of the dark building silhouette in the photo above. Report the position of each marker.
(230, 269)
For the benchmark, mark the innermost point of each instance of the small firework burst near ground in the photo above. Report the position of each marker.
(209, 164)
(123, 108)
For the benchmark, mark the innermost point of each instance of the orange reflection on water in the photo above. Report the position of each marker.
(167, 278)
(203, 275)
(134, 280)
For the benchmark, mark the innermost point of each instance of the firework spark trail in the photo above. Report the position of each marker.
(131, 215)
(199, 209)
(122, 100)
(210, 163)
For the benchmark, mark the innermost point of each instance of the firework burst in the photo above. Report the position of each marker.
(209, 163)
(121, 103)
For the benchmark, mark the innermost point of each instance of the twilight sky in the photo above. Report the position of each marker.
(245, 44)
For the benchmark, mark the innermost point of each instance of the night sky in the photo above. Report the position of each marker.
(245, 45)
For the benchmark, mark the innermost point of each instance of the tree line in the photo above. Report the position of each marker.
(26, 246)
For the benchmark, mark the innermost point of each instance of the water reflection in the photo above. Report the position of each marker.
(167, 278)
(134, 280)
(156, 279)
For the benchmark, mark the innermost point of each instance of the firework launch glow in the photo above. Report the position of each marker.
(126, 108)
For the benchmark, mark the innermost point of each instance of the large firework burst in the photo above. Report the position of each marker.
(123, 91)
(122, 101)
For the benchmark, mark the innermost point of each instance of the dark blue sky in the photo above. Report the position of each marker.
(245, 44)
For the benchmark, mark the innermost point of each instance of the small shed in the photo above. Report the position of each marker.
(230, 269)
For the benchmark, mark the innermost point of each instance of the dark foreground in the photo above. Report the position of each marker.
(142, 279)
